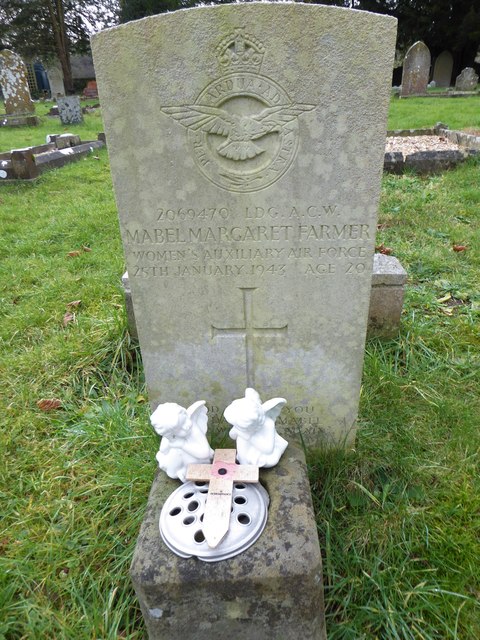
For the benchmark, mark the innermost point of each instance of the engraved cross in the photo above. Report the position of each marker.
(249, 332)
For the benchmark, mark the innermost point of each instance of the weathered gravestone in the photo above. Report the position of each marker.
(416, 68)
(442, 71)
(70, 110)
(247, 181)
(55, 79)
(247, 206)
(467, 80)
(13, 80)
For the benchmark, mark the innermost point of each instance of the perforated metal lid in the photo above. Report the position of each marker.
(182, 515)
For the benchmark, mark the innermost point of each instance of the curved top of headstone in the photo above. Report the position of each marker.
(13, 80)
(256, 117)
(55, 79)
(416, 69)
(442, 73)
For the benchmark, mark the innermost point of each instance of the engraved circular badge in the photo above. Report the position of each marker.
(250, 142)
(243, 127)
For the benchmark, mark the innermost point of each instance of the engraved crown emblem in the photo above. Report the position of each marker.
(240, 52)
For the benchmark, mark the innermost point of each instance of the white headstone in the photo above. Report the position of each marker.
(247, 180)
(55, 79)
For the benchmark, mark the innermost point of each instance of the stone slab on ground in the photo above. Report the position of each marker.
(271, 591)
(29, 163)
(19, 121)
(246, 199)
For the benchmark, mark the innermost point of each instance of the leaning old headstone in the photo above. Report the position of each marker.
(55, 79)
(416, 68)
(13, 80)
(467, 80)
(70, 110)
(442, 71)
(247, 200)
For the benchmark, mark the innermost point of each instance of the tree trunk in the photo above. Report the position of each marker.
(57, 19)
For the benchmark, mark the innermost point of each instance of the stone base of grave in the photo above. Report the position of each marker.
(29, 163)
(386, 300)
(19, 121)
(271, 591)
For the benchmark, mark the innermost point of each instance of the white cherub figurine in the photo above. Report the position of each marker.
(183, 434)
(258, 442)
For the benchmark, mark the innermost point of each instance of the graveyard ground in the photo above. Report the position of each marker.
(398, 518)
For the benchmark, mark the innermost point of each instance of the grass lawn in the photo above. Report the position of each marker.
(398, 518)
(457, 113)
(17, 137)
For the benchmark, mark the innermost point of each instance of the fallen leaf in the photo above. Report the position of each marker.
(381, 248)
(85, 248)
(49, 404)
(96, 157)
(459, 247)
(74, 304)
(448, 311)
(68, 317)
(4, 542)
(73, 254)
(444, 298)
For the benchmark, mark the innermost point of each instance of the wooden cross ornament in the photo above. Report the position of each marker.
(221, 475)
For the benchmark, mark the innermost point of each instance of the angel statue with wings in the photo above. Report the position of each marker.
(184, 438)
(253, 427)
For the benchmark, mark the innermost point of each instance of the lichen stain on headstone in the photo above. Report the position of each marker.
(13, 80)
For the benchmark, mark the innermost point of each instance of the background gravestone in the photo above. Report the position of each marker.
(442, 72)
(55, 79)
(467, 80)
(416, 69)
(247, 202)
(13, 78)
(70, 110)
